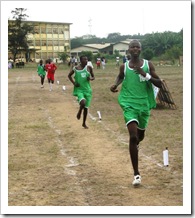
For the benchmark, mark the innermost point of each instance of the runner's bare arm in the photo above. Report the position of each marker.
(92, 77)
(154, 77)
(118, 80)
(71, 79)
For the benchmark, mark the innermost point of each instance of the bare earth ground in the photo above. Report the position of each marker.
(53, 161)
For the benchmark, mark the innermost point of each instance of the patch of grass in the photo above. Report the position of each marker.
(37, 126)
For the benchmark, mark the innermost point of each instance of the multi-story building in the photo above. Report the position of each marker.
(49, 39)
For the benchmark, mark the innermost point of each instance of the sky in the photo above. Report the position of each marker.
(100, 18)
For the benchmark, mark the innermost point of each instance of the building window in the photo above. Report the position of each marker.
(49, 30)
(44, 43)
(66, 35)
(30, 43)
(55, 48)
(61, 31)
(61, 43)
(55, 30)
(43, 30)
(36, 30)
(55, 42)
(37, 43)
(49, 43)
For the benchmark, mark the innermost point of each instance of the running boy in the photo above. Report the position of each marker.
(41, 72)
(136, 99)
(82, 87)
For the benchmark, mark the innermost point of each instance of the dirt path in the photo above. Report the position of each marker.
(53, 161)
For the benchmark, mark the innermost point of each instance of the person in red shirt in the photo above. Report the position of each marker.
(98, 62)
(50, 68)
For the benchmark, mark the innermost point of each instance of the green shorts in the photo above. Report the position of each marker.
(84, 95)
(138, 115)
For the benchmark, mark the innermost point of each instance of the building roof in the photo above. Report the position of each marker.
(97, 46)
(127, 41)
(31, 21)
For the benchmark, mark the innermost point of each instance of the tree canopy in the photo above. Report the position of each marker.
(18, 31)
(157, 44)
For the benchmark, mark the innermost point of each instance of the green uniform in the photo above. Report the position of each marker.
(41, 70)
(84, 91)
(136, 97)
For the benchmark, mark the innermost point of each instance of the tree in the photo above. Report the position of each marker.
(88, 54)
(161, 42)
(18, 31)
(148, 53)
(153, 45)
(63, 56)
(114, 37)
(173, 53)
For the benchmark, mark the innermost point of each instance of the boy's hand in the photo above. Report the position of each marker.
(90, 78)
(113, 88)
(76, 84)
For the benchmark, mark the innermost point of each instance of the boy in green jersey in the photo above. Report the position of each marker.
(41, 72)
(136, 99)
(82, 88)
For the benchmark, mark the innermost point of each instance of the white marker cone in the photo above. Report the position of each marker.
(64, 88)
(166, 157)
(99, 115)
(58, 82)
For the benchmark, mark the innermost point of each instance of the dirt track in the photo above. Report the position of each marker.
(53, 161)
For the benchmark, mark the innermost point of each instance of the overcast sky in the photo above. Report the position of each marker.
(125, 17)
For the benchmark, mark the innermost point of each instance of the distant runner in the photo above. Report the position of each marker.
(82, 88)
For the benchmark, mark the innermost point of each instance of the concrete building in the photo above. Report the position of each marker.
(122, 47)
(94, 48)
(107, 48)
(49, 39)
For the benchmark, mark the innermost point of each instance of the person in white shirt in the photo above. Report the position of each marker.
(89, 63)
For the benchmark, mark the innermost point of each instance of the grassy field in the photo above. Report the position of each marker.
(44, 136)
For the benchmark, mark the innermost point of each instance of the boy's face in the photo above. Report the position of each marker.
(84, 61)
(135, 49)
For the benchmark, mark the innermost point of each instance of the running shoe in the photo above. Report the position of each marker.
(137, 180)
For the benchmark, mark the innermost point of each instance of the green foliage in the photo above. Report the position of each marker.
(147, 54)
(63, 56)
(88, 54)
(17, 32)
(90, 39)
(116, 53)
(114, 37)
(172, 53)
(161, 42)
(155, 45)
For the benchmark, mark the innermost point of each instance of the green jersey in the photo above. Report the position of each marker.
(136, 92)
(41, 70)
(80, 77)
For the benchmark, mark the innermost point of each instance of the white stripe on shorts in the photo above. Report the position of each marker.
(132, 121)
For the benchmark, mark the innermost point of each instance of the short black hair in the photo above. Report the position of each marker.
(135, 40)
(81, 57)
